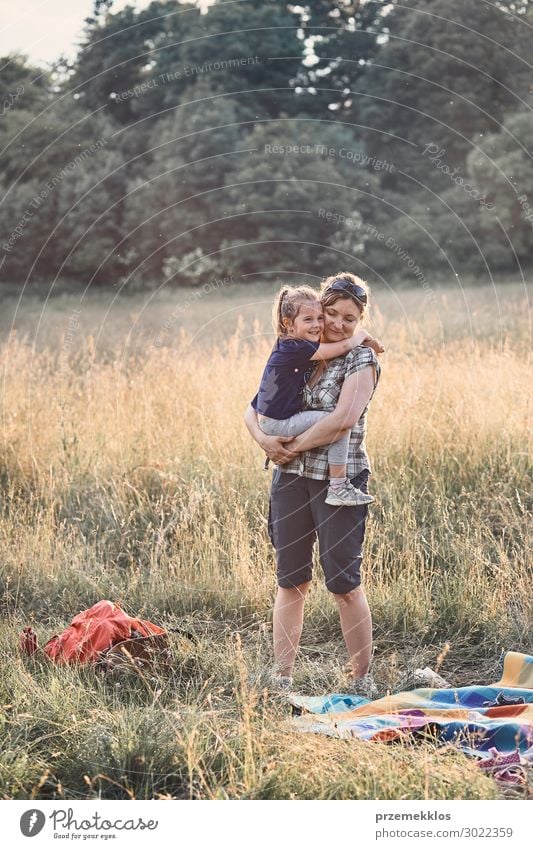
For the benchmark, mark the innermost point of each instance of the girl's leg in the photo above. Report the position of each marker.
(356, 625)
(300, 422)
(338, 456)
(341, 492)
(293, 426)
(288, 623)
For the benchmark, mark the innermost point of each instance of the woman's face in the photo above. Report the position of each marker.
(340, 320)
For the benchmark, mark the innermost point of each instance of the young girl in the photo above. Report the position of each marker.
(298, 322)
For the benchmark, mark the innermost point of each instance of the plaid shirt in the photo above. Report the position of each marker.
(324, 396)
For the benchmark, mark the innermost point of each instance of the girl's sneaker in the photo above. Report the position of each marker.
(347, 496)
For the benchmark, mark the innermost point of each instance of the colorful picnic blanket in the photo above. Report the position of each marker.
(475, 718)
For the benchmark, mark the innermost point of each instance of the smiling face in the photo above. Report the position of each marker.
(340, 319)
(308, 324)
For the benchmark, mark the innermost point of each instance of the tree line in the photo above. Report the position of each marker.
(262, 138)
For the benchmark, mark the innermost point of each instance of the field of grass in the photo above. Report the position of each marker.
(126, 473)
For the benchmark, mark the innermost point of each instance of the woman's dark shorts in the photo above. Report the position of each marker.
(298, 515)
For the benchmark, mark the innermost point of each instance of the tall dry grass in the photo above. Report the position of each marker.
(126, 473)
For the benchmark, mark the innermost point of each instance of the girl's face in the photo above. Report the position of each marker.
(309, 323)
(340, 320)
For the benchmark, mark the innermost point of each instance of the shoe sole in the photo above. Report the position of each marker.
(339, 502)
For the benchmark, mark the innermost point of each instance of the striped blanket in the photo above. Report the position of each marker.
(478, 719)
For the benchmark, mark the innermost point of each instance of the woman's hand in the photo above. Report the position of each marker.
(275, 447)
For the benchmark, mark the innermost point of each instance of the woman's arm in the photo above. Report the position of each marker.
(272, 445)
(355, 394)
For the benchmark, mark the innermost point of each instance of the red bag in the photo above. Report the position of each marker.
(92, 631)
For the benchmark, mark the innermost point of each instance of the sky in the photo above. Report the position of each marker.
(45, 28)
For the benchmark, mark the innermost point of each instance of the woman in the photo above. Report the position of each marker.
(298, 512)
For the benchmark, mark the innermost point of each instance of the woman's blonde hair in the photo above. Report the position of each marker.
(287, 305)
(328, 298)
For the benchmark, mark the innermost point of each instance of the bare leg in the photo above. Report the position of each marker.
(356, 624)
(287, 626)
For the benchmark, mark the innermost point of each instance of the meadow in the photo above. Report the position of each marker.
(126, 473)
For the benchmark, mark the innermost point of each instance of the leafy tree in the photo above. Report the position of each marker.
(39, 144)
(253, 200)
(138, 63)
(291, 192)
(503, 167)
(69, 199)
(116, 54)
(180, 144)
(483, 219)
(341, 36)
(252, 51)
(24, 87)
(53, 153)
(188, 156)
(448, 74)
(27, 91)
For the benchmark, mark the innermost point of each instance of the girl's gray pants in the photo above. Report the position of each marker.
(297, 424)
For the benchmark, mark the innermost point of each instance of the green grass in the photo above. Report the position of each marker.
(126, 473)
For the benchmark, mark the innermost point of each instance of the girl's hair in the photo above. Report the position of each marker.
(328, 298)
(288, 302)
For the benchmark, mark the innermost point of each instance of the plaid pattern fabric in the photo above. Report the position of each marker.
(477, 719)
(324, 396)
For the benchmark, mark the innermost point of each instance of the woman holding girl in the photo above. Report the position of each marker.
(308, 502)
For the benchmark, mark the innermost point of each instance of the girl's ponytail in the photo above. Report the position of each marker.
(277, 312)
